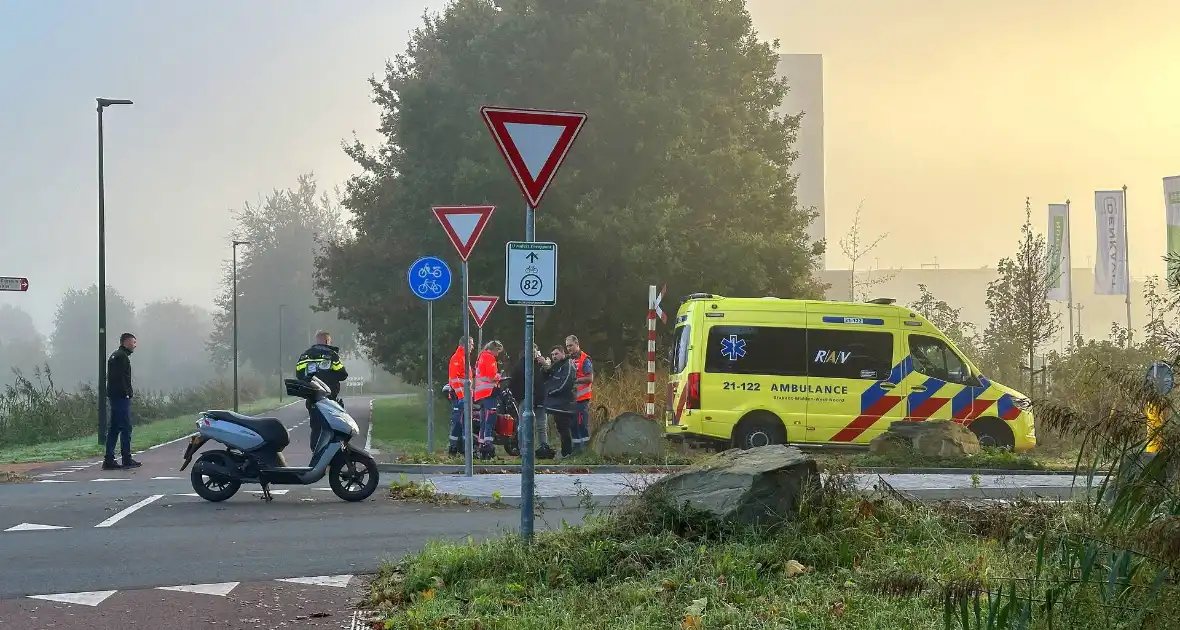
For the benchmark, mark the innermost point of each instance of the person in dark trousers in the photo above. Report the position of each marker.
(120, 393)
(321, 360)
(540, 367)
(559, 397)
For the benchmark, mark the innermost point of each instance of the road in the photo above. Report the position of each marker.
(83, 547)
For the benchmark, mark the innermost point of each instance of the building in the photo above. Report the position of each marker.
(805, 76)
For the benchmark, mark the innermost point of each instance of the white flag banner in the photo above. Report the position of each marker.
(1058, 253)
(1110, 269)
(1172, 210)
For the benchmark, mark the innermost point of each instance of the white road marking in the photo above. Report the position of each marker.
(127, 512)
(339, 581)
(166, 478)
(88, 598)
(113, 479)
(220, 590)
(57, 481)
(185, 437)
(274, 492)
(187, 494)
(52, 474)
(33, 527)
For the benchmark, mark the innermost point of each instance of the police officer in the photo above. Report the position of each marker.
(321, 360)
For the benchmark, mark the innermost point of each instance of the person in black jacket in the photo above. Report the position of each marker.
(321, 360)
(559, 396)
(120, 392)
(516, 386)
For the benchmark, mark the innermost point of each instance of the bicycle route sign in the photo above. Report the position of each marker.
(430, 278)
(530, 274)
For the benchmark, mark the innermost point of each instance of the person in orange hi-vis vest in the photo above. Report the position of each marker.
(456, 373)
(487, 379)
(583, 391)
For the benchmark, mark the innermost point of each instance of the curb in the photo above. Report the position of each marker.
(454, 469)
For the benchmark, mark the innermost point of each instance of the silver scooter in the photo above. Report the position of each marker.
(254, 452)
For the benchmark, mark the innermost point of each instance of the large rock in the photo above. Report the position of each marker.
(627, 436)
(761, 485)
(932, 439)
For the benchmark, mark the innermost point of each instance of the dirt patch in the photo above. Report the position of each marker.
(12, 476)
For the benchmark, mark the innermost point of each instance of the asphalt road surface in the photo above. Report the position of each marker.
(83, 547)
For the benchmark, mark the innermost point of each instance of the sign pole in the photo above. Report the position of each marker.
(527, 419)
(467, 393)
(429, 377)
(651, 352)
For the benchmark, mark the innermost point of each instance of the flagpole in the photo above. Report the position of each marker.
(1069, 276)
(1127, 262)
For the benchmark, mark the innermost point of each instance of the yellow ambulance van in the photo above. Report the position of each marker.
(748, 372)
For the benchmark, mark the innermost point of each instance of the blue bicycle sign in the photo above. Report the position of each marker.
(429, 278)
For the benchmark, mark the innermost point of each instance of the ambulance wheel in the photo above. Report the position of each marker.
(759, 429)
(993, 433)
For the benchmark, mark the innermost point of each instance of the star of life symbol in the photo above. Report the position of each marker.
(733, 347)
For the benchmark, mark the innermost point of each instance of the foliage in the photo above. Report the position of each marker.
(681, 174)
(1021, 318)
(34, 410)
(275, 272)
(74, 342)
(949, 320)
(854, 249)
(21, 345)
(171, 352)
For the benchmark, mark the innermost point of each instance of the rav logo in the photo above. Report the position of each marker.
(832, 356)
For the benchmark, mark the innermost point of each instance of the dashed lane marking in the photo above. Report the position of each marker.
(222, 589)
(33, 527)
(87, 598)
(129, 511)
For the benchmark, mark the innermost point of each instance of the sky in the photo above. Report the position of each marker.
(941, 116)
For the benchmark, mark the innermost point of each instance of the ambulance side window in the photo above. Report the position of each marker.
(934, 358)
(765, 350)
(858, 354)
(680, 350)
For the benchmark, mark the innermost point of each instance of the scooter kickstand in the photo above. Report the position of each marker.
(266, 496)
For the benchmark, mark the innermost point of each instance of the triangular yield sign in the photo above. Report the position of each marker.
(221, 590)
(33, 527)
(88, 598)
(481, 307)
(534, 142)
(463, 225)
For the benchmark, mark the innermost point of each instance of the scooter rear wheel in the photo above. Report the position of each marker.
(353, 476)
(208, 488)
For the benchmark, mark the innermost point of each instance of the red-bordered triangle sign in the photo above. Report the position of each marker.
(481, 306)
(534, 142)
(463, 225)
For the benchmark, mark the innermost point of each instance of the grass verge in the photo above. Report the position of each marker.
(847, 561)
(142, 436)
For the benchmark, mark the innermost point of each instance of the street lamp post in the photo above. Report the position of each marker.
(102, 276)
(235, 310)
(281, 358)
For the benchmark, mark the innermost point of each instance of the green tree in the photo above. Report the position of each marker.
(1021, 318)
(74, 341)
(22, 346)
(171, 354)
(949, 320)
(276, 272)
(680, 176)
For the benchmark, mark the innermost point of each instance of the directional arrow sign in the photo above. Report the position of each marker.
(534, 142)
(12, 283)
(481, 307)
(463, 225)
(659, 311)
(530, 274)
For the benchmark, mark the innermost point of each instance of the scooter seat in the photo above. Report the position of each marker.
(271, 429)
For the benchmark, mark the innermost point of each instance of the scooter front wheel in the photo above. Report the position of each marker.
(353, 476)
(209, 488)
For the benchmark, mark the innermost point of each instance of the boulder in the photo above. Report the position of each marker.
(762, 485)
(627, 436)
(940, 438)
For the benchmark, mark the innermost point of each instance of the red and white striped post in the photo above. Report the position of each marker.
(651, 352)
(653, 309)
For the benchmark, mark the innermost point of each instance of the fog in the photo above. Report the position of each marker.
(941, 117)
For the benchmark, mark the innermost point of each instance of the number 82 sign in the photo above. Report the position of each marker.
(530, 274)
